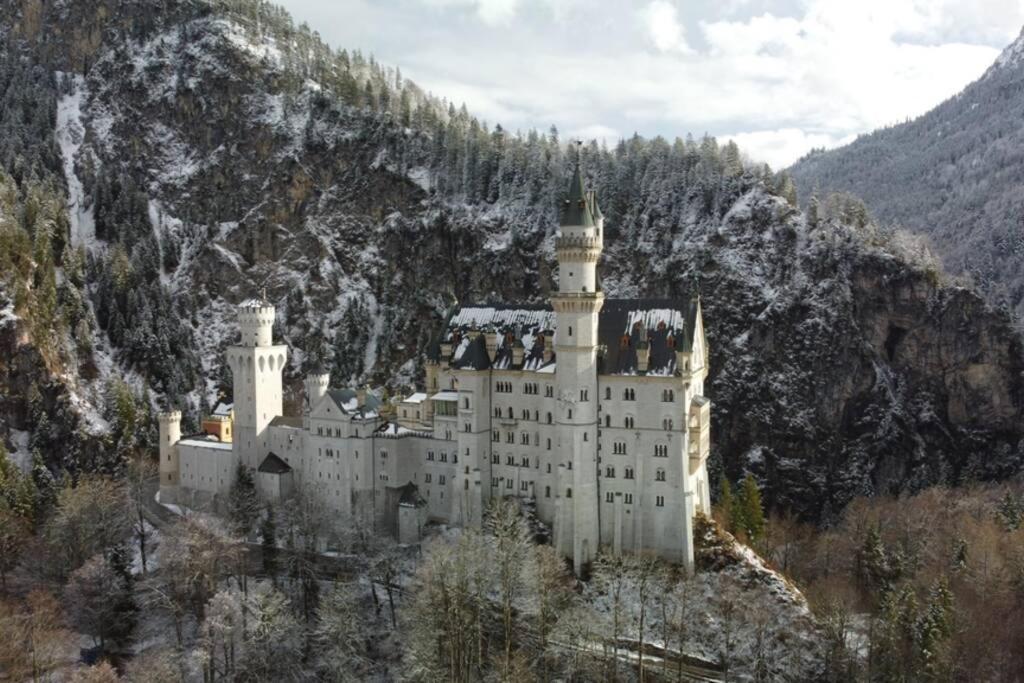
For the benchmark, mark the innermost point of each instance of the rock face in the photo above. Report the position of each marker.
(216, 160)
(954, 174)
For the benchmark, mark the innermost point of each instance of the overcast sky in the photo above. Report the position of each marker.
(778, 76)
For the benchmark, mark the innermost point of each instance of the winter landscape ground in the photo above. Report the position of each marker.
(162, 161)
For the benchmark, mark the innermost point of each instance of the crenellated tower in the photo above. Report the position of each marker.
(256, 364)
(578, 247)
(315, 384)
(169, 434)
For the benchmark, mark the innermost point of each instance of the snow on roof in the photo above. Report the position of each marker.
(482, 317)
(418, 397)
(445, 396)
(196, 442)
(223, 408)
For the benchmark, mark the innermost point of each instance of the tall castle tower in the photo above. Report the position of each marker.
(170, 434)
(256, 364)
(577, 304)
(315, 384)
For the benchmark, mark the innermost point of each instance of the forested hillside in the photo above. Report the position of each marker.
(207, 149)
(954, 174)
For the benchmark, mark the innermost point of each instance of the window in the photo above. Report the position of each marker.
(526, 414)
(668, 396)
(609, 472)
(628, 422)
(494, 482)
(444, 457)
(524, 439)
(549, 418)
(510, 437)
(443, 479)
(549, 391)
(509, 460)
(508, 483)
(549, 468)
(568, 465)
(524, 486)
(628, 474)
(510, 412)
(547, 491)
(659, 501)
(430, 455)
(629, 394)
(607, 420)
(570, 330)
(526, 461)
(427, 477)
(619, 448)
(584, 395)
(496, 459)
(608, 393)
(549, 444)
(568, 493)
(468, 427)
(667, 424)
(585, 436)
(383, 454)
(497, 411)
(659, 474)
(570, 413)
(609, 497)
(319, 430)
(660, 450)
(628, 499)
(465, 402)
(495, 436)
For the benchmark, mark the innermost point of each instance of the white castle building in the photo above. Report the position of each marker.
(591, 408)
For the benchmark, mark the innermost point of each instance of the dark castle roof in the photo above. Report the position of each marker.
(274, 465)
(578, 208)
(662, 326)
(625, 326)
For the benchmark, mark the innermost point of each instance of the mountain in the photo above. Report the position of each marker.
(954, 174)
(207, 149)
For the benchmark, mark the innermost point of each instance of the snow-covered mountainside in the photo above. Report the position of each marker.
(208, 149)
(954, 174)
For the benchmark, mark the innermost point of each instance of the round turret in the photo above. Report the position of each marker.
(256, 322)
(316, 384)
(170, 434)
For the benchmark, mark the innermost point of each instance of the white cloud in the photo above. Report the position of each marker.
(662, 22)
(807, 73)
(780, 147)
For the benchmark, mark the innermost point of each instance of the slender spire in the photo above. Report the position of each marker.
(576, 210)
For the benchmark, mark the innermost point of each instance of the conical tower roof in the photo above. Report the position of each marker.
(576, 210)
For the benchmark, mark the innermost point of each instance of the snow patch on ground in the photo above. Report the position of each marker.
(70, 134)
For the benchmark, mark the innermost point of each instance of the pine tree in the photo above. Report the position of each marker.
(753, 511)
(1010, 512)
(727, 506)
(268, 542)
(243, 502)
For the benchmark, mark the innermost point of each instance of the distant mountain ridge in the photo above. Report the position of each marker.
(209, 149)
(955, 174)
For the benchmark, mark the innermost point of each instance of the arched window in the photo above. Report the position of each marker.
(607, 420)
(570, 330)
(608, 393)
(659, 474)
(549, 418)
(568, 493)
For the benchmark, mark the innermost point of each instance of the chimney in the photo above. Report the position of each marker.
(549, 346)
(491, 341)
(517, 353)
(643, 355)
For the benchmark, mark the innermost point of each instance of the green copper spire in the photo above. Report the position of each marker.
(576, 209)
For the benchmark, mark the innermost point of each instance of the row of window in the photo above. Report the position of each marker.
(441, 479)
(443, 457)
(533, 389)
(628, 473)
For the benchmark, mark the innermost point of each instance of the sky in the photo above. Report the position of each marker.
(780, 77)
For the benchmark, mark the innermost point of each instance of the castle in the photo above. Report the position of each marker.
(591, 408)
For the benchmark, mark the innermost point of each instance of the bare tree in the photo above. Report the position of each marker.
(97, 602)
(221, 635)
(273, 644)
(340, 634)
(550, 584)
(511, 547)
(90, 517)
(35, 638)
(15, 534)
(140, 475)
